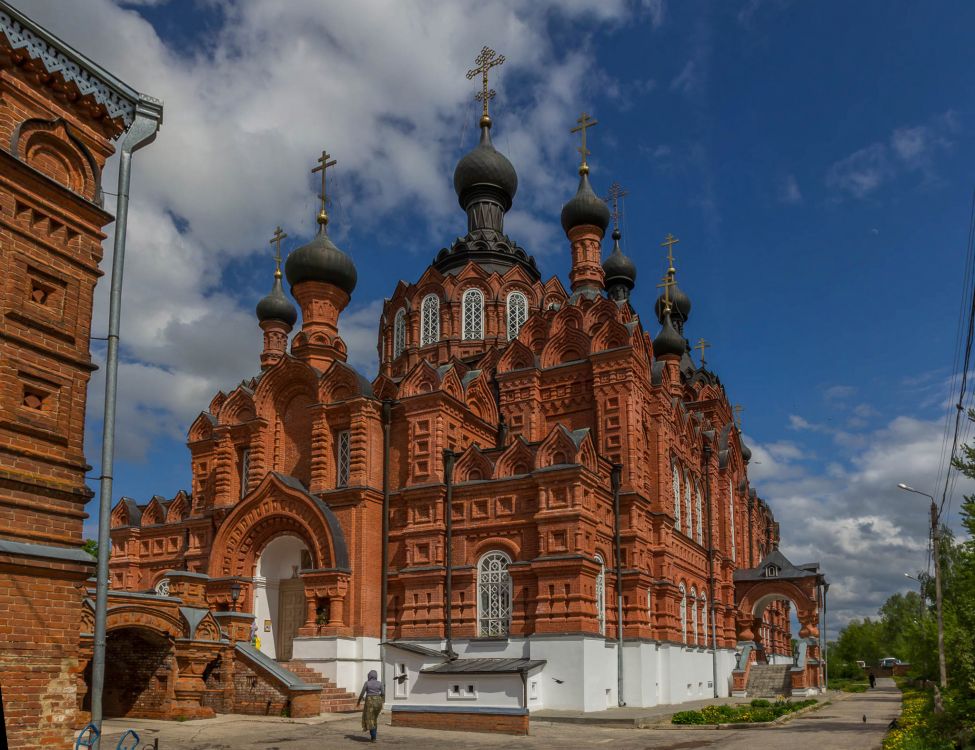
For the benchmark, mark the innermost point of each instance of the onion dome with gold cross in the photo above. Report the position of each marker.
(668, 341)
(276, 305)
(321, 260)
(585, 207)
(620, 270)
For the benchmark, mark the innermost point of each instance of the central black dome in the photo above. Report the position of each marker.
(485, 172)
(321, 260)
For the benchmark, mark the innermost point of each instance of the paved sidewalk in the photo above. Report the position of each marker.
(839, 726)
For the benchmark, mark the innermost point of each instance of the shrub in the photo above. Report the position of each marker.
(687, 717)
(760, 703)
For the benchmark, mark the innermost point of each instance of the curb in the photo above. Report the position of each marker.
(742, 725)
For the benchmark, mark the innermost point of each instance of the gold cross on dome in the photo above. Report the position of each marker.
(276, 241)
(323, 165)
(668, 282)
(738, 410)
(669, 242)
(615, 193)
(485, 61)
(701, 346)
(585, 122)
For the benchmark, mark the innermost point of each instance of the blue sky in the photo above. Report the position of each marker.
(813, 158)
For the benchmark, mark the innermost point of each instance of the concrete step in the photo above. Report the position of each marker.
(334, 699)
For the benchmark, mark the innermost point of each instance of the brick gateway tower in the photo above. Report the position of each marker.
(59, 116)
(591, 470)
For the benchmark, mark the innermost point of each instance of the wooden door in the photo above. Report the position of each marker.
(291, 615)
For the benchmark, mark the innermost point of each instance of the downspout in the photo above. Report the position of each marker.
(142, 132)
(615, 478)
(448, 478)
(711, 604)
(387, 418)
(825, 639)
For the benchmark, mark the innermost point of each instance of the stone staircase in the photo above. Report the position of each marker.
(769, 681)
(334, 699)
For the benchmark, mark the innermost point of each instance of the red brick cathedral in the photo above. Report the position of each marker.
(567, 463)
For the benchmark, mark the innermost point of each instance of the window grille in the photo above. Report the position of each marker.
(493, 595)
(162, 588)
(430, 320)
(687, 503)
(699, 508)
(344, 456)
(601, 596)
(704, 617)
(676, 498)
(683, 613)
(399, 333)
(517, 313)
(693, 604)
(473, 314)
(245, 465)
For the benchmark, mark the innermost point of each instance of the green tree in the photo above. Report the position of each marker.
(91, 547)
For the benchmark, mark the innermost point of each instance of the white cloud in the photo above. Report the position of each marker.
(910, 149)
(657, 10)
(688, 79)
(789, 191)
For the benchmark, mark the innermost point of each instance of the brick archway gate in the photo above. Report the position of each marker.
(776, 579)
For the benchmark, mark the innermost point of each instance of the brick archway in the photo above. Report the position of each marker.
(777, 579)
(279, 505)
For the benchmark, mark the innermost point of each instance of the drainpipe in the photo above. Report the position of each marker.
(615, 478)
(142, 132)
(825, 639)
(448, 478)
(387, 417)
(711, 604)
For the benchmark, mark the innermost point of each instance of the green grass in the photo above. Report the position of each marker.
(759, 710)
(849, 684)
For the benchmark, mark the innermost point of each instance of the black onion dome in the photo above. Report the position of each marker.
(484, 169)
(619, 269)
(585, 207)
(276, 306)
(680, 304)
(668, 341)
(321, 260)
(746, 452)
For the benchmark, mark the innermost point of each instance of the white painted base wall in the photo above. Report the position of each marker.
(345, 661)
(579, 674)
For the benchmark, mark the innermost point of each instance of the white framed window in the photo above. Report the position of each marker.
(493, 594)
(688, 508)
(683, 613)
(699, 509)
(517, 313)
(705, 616)
(731, 519)
(430, 320)
(601, 596)
(401, 681)
(676, 497)
(473, 314)
(162, 588)
(462, 691)
(693, 604)
(399, 332)
(245, 464)
(343, 458)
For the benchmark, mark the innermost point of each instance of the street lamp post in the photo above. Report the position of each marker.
(234, 594)
(936, 548)
(920, 583)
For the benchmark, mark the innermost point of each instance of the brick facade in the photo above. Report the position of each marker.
(462, 721)
(54, 141)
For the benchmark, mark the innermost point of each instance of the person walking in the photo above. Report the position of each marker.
(374, 694)
(873, 680)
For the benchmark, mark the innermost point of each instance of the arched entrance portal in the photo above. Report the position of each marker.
(139, 666)
(279, 594)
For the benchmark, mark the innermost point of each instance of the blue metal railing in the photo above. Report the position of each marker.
(128, 741)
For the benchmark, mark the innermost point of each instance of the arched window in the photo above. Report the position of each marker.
(493, 594)
(731, 518)
(676, 497)
(693, 604)
(473, 314)
(430, 320)
(399, 332)
(687, 507)
(704, 618)
(683, 613)
(517, 313)
(699, 508)
(343, 458)
(162, 588)
(601, 596)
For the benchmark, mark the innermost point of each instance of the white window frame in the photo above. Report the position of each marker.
(430, 320)
(699, 507)
(473, 315)
(677, 499)
(704, 618)
(401, 681)
(601, 595)
(494, 595)
(693, 603)
(162, 587)
(343, 458)
(689, 507)
(245, 463)
(399, 332)
(516, 313)
(683, 612)
(462, 691)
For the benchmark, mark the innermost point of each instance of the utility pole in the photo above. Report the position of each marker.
(936, 553)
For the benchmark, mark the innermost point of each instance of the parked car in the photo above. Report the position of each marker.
(889, 662)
